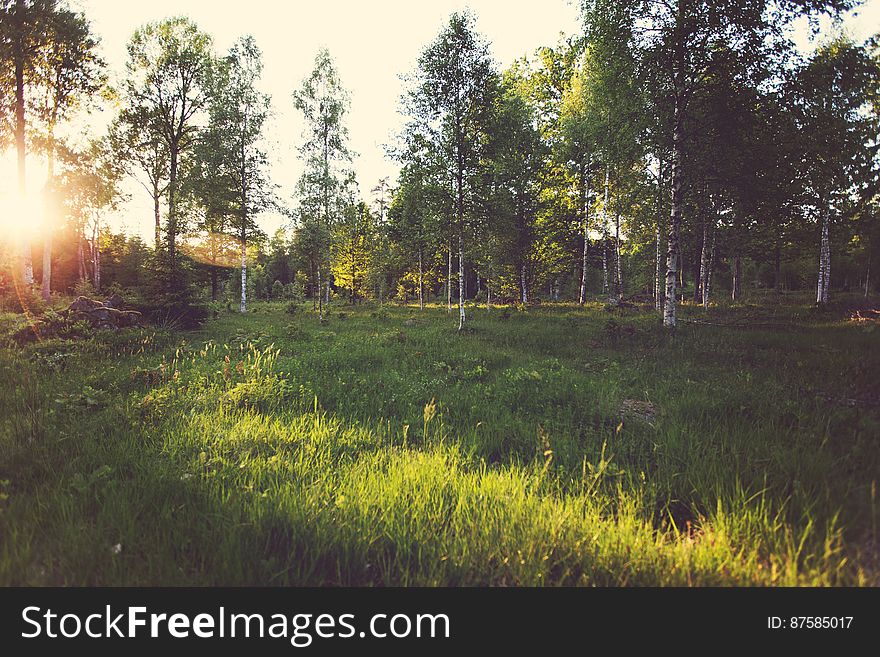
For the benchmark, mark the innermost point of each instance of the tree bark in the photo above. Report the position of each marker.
(96, 254)
(777, 268)
(658, 290)
(421, 282)
(48, 219)
(704, 263)
(737, 278)
(585, 203)
(674, 226)
(320, 296)
(461, 317)
(242, 306)
(172, 212)
(27, 267)
(618, 273)
(605, 286)
(449, 279)
(524, 284)
(156, 214)
(706, 273)
(824, 260)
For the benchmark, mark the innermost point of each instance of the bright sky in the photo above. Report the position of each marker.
(373, 43)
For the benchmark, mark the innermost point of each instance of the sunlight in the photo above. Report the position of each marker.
(20, 217)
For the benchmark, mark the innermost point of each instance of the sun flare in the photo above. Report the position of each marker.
(20, 216)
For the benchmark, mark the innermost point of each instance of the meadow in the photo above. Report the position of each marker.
(548, 445)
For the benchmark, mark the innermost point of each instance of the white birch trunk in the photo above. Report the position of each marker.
(618, 291)
(658, 288)
(449, 279)
(525, 287)
(706, 273)
(461, 317)
(605, 287)
(824, 260)
(582, 299)
(320, 296)
(96, 255)
(421, 283)
(704, 263)
(672, 251)
(242, 307)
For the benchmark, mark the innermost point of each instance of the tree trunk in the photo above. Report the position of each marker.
(706, 274)
(777, 268)
(605, 287)
(674, 226)
(585, 203)
(156, 214)
(618, 273)
(172, 212)
(658, 288)
(737, 278)
(704, 263)
(525, 285)
(27, 267)
(421, 282)
(449, 279)
(867, 274)
(320, 296)
(489, 289)
(80, 255)
(96, 255)
(460, 281)
(242, 306)
(824, 260)
(49, 219)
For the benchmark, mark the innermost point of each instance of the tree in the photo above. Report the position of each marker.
(90, 187)
(168, 67)
(516, 154)
(832, 111)
(450, 106)
(323, 101)
(678, 45)
(24, 33)
(237, 111)
(68, 69)
(351, 248)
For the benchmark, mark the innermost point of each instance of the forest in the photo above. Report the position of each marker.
(614, 321)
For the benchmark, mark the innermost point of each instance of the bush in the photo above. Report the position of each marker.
(277, 289)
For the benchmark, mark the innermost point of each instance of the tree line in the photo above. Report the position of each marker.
(671, 148)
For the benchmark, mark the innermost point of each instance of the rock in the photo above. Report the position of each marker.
(129, 318)
(106, 315)
(84, 304)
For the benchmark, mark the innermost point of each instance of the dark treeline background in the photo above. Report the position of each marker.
(671, 150)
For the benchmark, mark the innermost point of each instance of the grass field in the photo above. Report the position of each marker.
(551, 446)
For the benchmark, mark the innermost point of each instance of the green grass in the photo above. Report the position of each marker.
(312, 456)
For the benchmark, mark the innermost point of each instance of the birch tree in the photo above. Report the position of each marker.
(678, 44)
(323, 102)
(68, 71)
(237, 112)
(833, 93)
(167, 70)
(451, 105)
